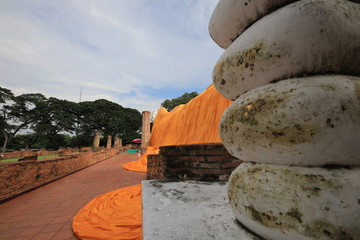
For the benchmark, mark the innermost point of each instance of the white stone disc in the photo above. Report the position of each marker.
(312, 121)
(305, 37)
(299, 203)
(231, 17)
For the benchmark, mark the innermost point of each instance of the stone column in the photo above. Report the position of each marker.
(108, 143)
(96, 142)
(116, 143)
(145, 138)
(289, 132)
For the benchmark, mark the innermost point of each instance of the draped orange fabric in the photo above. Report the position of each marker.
(117, 214)
(195, 122)
(113, 215)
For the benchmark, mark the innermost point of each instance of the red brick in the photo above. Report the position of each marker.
(209, 165)
(231, 165)
(61, 235)
(173, 153)
(208, 152)
(31, 231)
(209, 171)
(215, 146)
(44, 236)
(190, 147)
(220, 159)
(23, 176)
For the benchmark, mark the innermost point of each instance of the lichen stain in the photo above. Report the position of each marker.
(261, 217)
(234, 187)
(295, 213)
(357, 90)
(328, 87)
(248, 113)
(244, 60)
(277, 221)
(325, 230)
(247, 189)
(315, 181)
(249, 116)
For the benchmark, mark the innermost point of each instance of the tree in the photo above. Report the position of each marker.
(172, 103)
(57, 116)
(48, 120)
(109, 118)
(6, 97)
(21, 112)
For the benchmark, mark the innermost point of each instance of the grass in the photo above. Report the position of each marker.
(47, 156)
(9, 160)
(39, 158)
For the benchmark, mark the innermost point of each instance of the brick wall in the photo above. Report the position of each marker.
(204, 162)
(18, 154)
(27, 153)
(19, 177)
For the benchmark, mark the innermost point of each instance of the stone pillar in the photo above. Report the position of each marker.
(96, 143)
(108, 143)
(116, 143)
(288, 132)
(145, 138)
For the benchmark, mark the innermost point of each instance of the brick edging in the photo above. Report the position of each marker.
(21, 192)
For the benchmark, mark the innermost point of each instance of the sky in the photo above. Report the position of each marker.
(136, 53)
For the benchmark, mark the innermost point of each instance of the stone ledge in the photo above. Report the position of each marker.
(193, 210)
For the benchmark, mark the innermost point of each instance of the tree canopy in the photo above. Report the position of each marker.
(49, 121)
(170, 104)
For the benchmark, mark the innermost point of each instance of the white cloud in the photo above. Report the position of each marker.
(117, 50)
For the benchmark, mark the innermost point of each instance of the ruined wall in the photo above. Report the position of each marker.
(18, 154)
(204, 162)
(18, 177)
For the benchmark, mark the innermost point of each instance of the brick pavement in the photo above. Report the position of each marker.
(47, 212)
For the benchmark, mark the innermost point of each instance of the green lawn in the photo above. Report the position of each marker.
(9, 160)
(48, 156)
(39, 158)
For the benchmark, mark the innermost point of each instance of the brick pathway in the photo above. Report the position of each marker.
(47, 212)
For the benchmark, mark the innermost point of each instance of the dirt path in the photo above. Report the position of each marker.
(47, 212)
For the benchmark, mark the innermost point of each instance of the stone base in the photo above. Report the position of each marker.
(189, 210)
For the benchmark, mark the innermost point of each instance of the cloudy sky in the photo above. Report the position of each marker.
(133, 52)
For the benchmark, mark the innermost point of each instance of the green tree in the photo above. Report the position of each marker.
(109, 118)
(57, 116)
(6, 97)
(49, 120)
(22, 113)
(170, 104)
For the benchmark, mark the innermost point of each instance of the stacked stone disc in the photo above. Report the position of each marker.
(293, 69)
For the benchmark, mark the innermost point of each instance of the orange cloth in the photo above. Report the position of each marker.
(113, 215)
(117, 214)
(195, 122)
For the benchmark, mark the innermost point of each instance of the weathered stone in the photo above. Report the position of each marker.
(96, 142)
(117, 142)
(311, 121)
(189, 210)
(145, 130)
(109, 142)
(287, 202)
(305, 37)
(232, 17)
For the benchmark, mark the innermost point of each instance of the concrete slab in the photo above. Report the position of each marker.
(189, 210)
